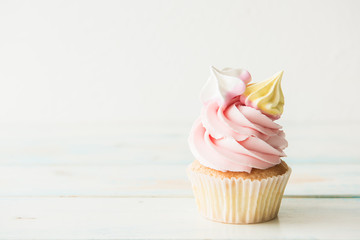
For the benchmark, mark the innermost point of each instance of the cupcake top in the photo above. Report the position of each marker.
(236, 130)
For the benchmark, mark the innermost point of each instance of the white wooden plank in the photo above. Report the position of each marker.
(169, 218)
(121, 144)
(112, 145)
(159, 180)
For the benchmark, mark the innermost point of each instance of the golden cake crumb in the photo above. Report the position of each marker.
(256, 174)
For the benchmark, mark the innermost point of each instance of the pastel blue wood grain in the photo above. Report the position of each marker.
(106, 180)
(120, 150)
(158, 180)
(169, 218)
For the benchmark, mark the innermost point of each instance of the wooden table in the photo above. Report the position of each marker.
(125, 182)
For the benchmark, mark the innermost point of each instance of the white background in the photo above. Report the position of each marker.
(146, 61)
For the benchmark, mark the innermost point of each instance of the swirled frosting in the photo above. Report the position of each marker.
(230, 136)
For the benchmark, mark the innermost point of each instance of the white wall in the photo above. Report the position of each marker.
(145, 61)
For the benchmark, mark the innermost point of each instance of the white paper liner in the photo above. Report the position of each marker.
(237, 200)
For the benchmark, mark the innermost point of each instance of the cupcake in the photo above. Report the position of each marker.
(238, 175)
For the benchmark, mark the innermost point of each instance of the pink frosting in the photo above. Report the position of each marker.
(235, 137)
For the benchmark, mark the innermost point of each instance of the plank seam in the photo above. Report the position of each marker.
(168, 196)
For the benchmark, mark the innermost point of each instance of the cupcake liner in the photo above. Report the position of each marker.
(238, 200)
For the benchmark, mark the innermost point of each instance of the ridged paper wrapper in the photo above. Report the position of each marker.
(238, 200)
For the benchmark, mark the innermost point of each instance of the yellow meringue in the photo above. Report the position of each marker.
(266, 96)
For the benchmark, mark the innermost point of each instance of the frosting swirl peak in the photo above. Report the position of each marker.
(266, 96)
(225, 84)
